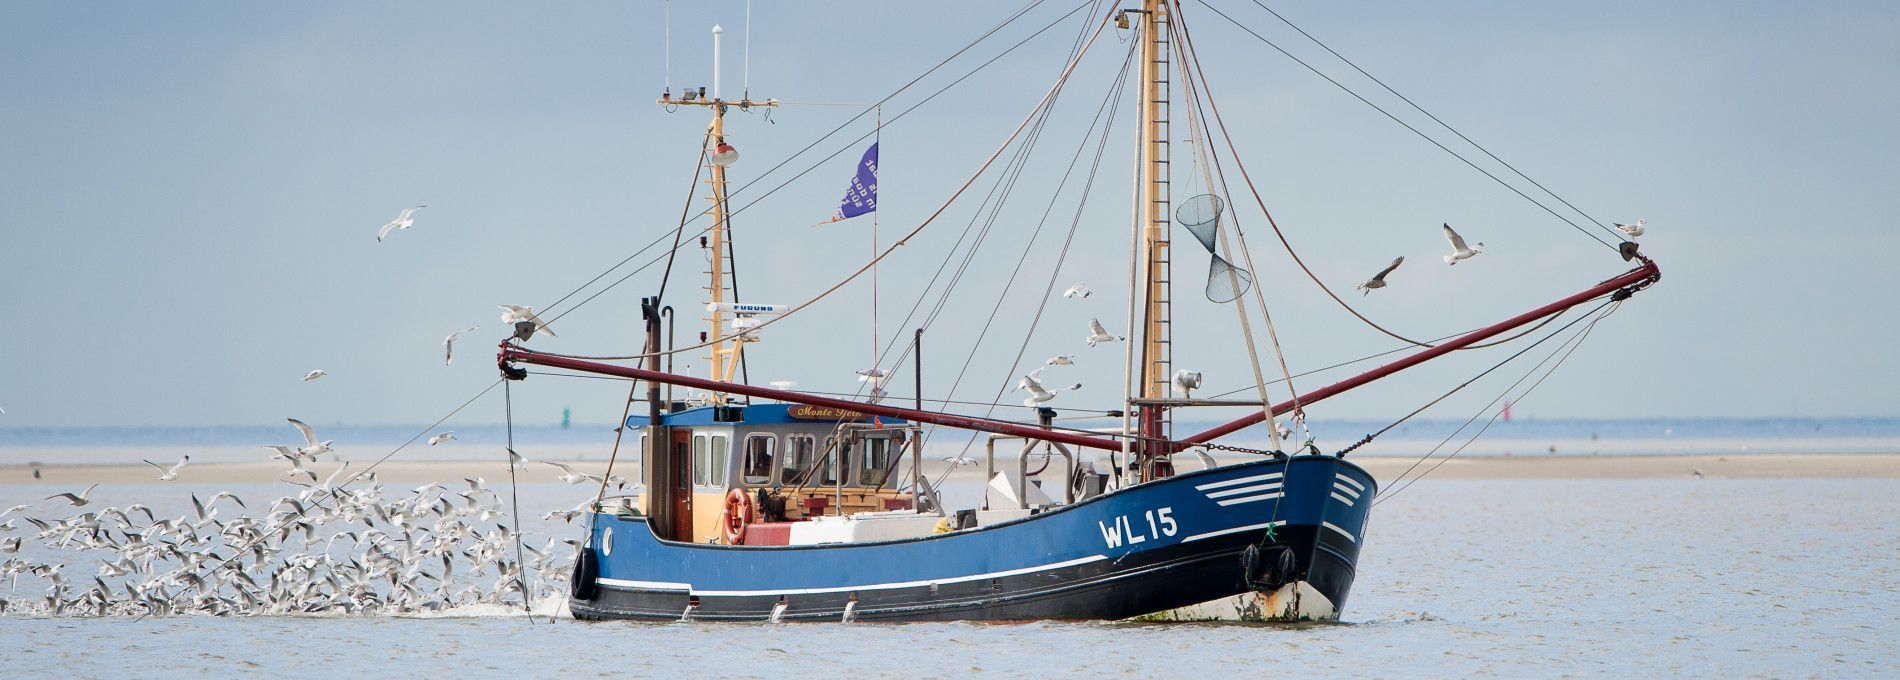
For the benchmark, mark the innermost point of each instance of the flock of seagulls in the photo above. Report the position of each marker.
(322, 550)
(1460, 250)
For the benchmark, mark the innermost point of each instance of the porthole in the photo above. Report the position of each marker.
(607, 542)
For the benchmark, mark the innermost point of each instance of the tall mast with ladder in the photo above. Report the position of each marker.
(725, 356)
(1153, 208)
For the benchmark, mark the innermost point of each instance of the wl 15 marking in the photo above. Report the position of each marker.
(1160, 523)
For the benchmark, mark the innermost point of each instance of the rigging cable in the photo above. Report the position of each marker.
(514, 493)
(1578, 342)
(1416, 131)
(1434, 118)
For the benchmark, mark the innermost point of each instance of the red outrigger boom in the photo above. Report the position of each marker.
(1627, 283)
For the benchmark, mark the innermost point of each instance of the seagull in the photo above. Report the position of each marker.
(18, 508)
(1099, 334)
(444, 437)
(959, 461)
(1698, 471)
(1060, 360)
(1378, 280)
(1186, 381)
(1460, 251)
(570, 476)
(518, 314)
(169, 473)
(448, 344)
(1080, 290)
(313, 375)
(1634, 230)
(784, 384)
(870, 374)
(1032, 384)
(79, 501)
(402, 221)
(312, 446)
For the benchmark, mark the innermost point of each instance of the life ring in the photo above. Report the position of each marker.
(738, 514)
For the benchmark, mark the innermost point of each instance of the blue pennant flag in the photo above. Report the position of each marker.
(861, 197)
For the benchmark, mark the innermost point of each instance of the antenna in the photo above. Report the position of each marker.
(668, 42)
(716, 31)
(745, 91)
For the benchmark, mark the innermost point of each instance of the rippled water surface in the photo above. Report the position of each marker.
(1494, 578)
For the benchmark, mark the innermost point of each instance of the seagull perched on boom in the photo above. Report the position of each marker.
(1099, 334)
(1633, 230)
(1460, 251)
(1378, 280)
(516, 314)
(402, 221)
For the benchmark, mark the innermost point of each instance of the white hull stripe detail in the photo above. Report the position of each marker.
(1343, 499)
(1342, 532)
(1238, 490)
(1355, 484)
(1250, 499)
(1234, 530)
(655, 585)
(1238, 480)
(1345, 489)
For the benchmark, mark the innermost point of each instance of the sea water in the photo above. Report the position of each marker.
(1772, 578)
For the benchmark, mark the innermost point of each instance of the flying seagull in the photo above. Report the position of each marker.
(402, 221)
(313, 375)
(1032, 384)
(1060, 360)
(1099, 334)
(448, 344)
(167, 474)
(784, 384)
(1080, 290)
(312, 447)
(1460, 251)
(1378, 280)
(82, 500)
(1634, 230)
(870, 374)
(444, 437)
(517, 314)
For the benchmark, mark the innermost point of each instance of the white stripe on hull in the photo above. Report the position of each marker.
(661, 585)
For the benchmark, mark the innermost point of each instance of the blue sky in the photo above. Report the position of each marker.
(189, 194)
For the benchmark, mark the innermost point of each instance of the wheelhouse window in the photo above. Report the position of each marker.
(835, 451)
(759, 451)
(876, 460)
(720, 446)
(700, 463)
(800, 448)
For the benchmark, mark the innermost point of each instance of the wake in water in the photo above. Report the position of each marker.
(325, 551)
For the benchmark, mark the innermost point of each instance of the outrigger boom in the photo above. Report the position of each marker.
(1623, 285)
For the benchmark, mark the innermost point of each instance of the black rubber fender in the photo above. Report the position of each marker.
(586, 569)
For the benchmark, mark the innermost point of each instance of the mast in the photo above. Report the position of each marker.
(725, 353)
(1153, 208)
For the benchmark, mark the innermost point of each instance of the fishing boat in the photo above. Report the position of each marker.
(769, 503)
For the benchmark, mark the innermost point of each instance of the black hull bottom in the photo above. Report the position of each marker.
(1138, 584)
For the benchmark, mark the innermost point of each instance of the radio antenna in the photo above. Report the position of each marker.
(745, 84)
(668, 58)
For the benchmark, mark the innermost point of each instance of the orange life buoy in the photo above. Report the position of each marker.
(737, 515)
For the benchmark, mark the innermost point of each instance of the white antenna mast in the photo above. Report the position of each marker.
(668, 59)
(746, 83)
(716, 31)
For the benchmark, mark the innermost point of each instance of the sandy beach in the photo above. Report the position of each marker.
(1748, 466)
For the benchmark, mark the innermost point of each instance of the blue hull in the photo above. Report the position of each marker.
(1184, 540)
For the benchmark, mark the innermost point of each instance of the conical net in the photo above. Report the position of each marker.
(1226, 282)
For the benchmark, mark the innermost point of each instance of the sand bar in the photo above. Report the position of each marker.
(1747, 466)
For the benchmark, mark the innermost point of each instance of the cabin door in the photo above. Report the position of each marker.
(682, 481)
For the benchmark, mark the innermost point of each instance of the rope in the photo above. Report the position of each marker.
(514, 494)
(1428, 114)
(1047, 96)
(1414, 130)
(1573, 345)
(418, 435)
